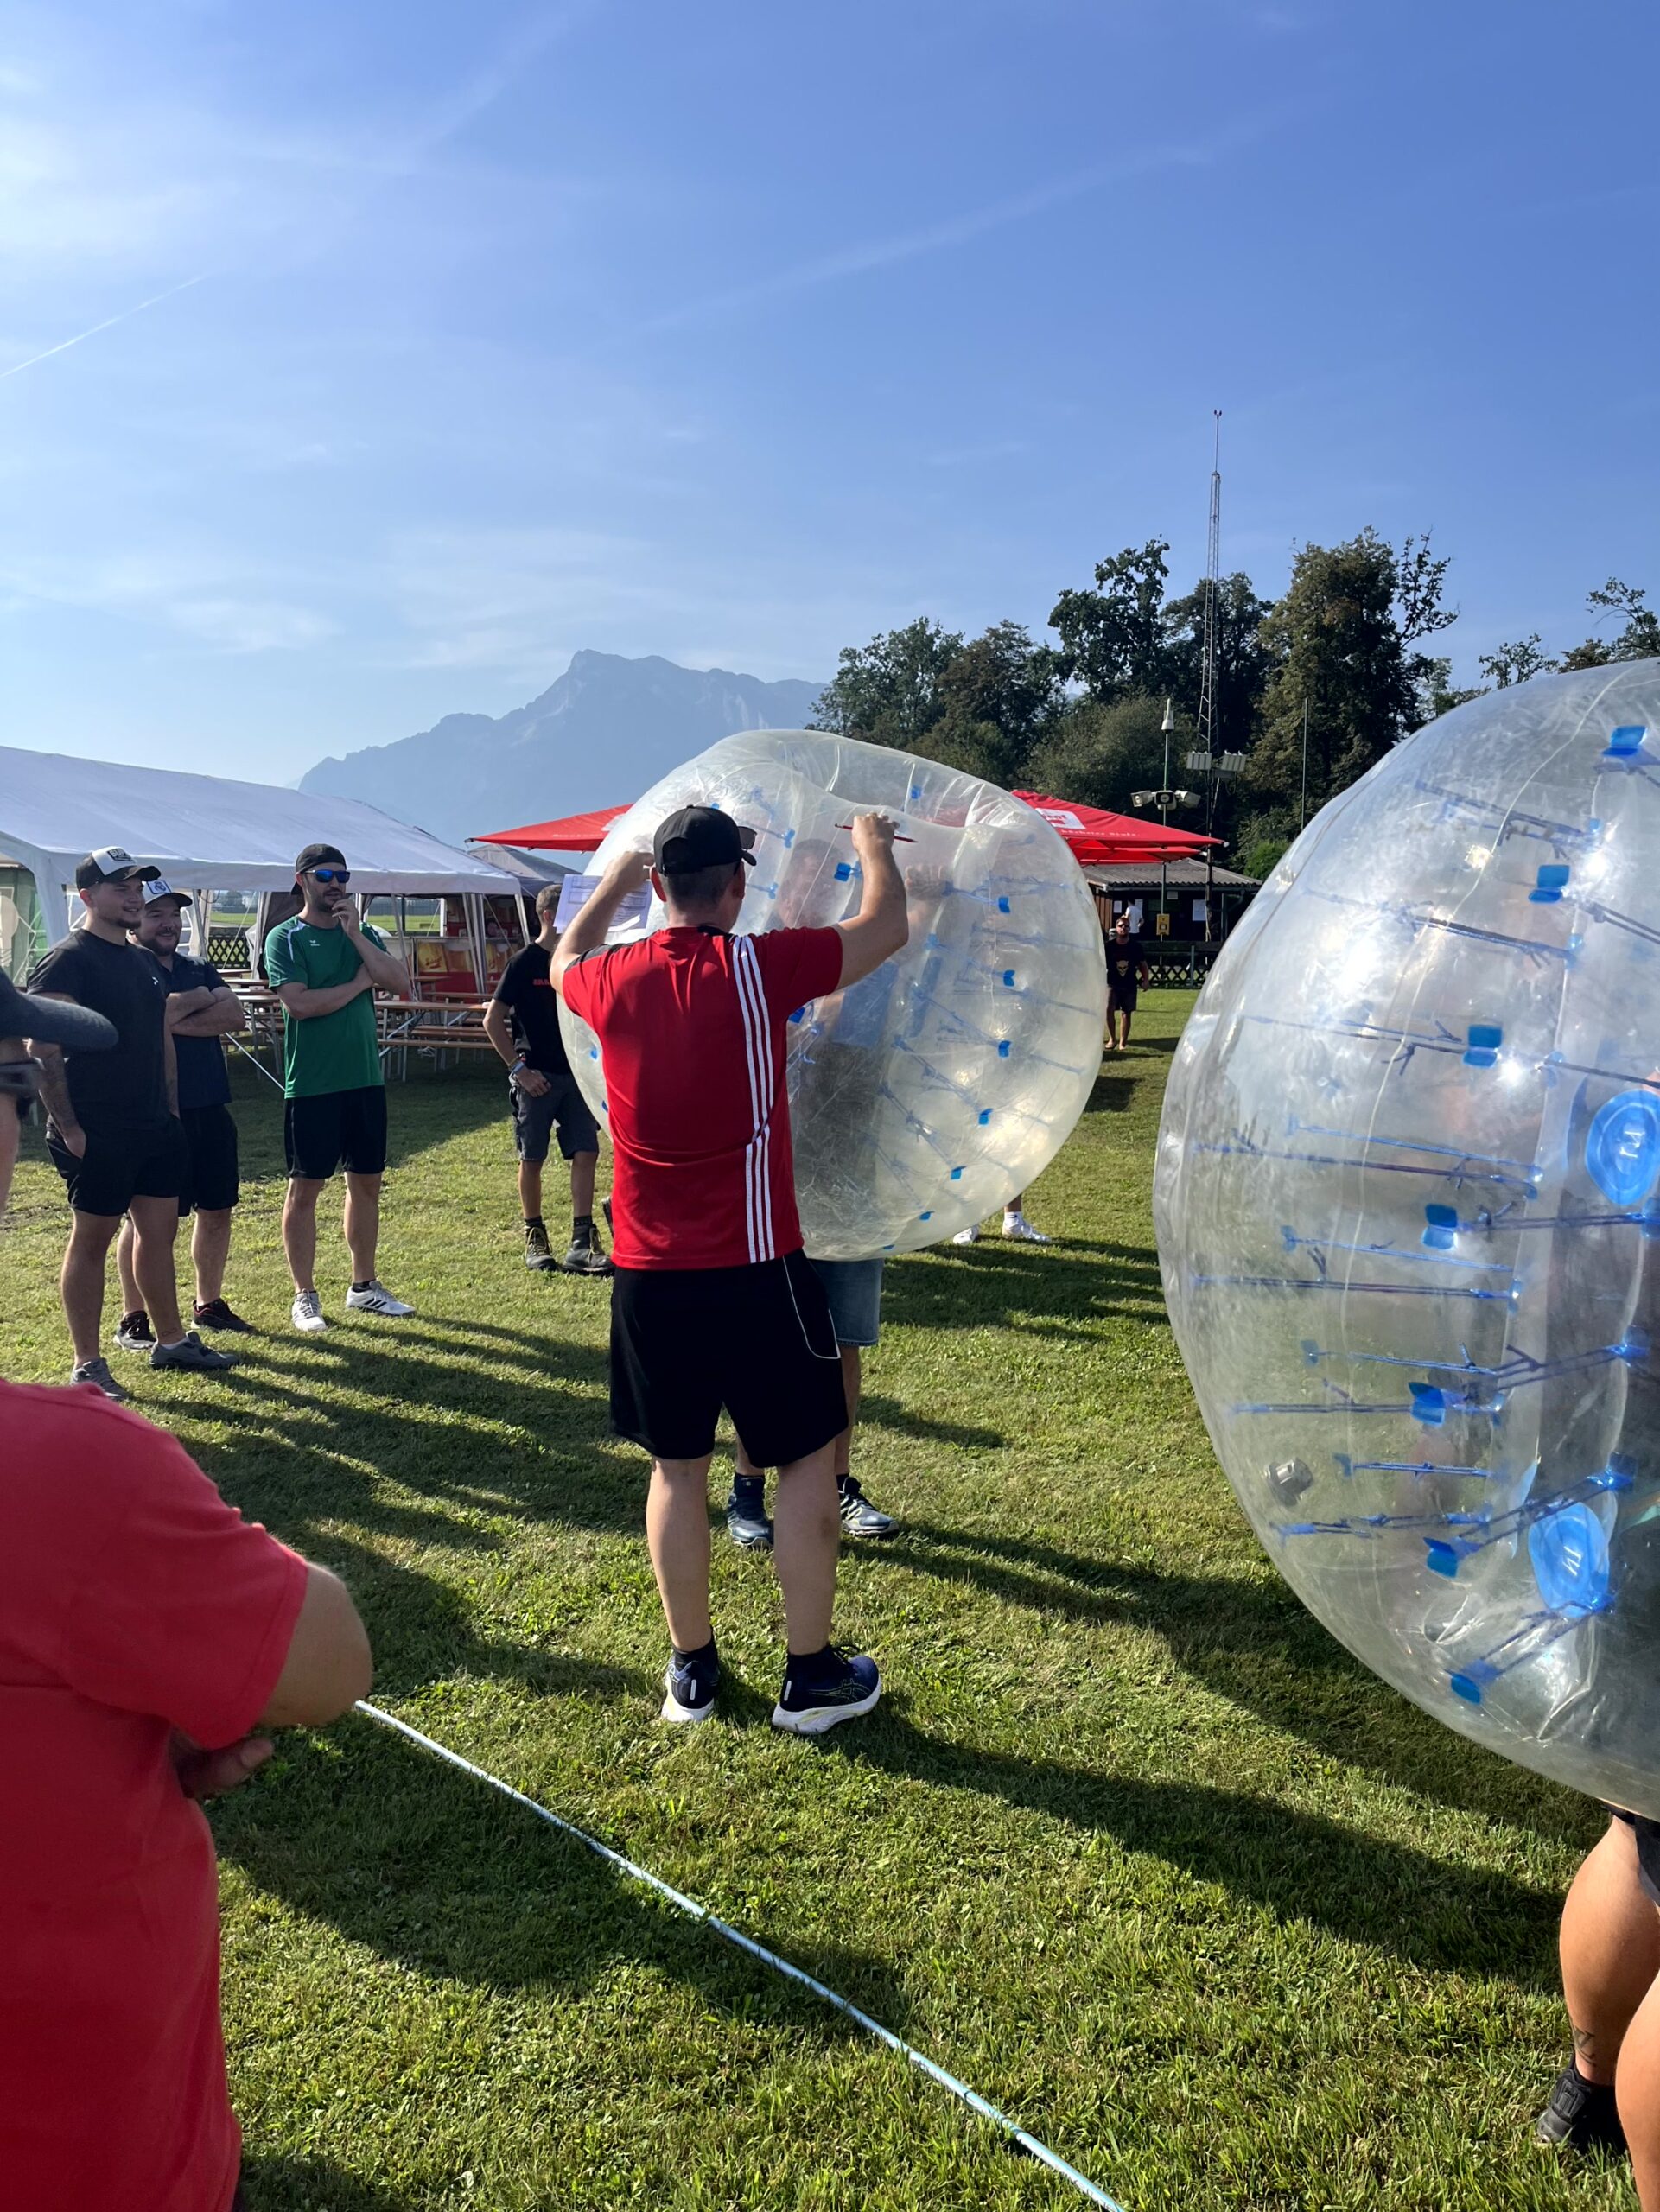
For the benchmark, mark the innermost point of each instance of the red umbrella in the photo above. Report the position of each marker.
(577, 833)
(1098, 838)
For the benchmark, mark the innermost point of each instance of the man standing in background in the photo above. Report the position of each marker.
(326, 967)
(522, 1022)
(211, 1187)
(1127, 972)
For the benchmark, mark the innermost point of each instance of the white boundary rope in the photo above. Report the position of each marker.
(988, 2111)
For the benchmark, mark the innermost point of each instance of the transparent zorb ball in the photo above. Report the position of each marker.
(939, 1087)
(1409, 1225)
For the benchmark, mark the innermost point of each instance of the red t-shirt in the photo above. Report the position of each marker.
(133, 1601)
(691, 1024)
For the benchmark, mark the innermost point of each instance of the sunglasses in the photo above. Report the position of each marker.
(20, 1080)
(331, 875)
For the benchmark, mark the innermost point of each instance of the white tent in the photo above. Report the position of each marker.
(206, 832)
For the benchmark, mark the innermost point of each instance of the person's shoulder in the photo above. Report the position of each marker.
(63, 1429)
(66, 953)
(280, 932)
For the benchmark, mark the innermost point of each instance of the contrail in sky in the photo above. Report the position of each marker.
(109, 323)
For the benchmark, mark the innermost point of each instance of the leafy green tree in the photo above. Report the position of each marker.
(1243, 662)
(1515, 662)
(1001, 694)
(891, 692)
(1099, 755)
(1112, 638)
(1639, 640)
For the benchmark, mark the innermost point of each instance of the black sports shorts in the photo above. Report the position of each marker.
(1648, 1850)
(336, 1128)
(758, 1340)
(210, 1141)
(120, 1165)
(561, 1105)
(1120, 998)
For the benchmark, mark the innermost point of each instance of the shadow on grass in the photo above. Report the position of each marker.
(442, 1875)
(1451, 1918)
(1252, 1641)
(875, 1411)
(997, 1285)
(272, 2185)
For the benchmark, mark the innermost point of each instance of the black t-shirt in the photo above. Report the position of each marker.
(532, 1000)
(1124, 958)
(204, 1079)
(125, 1087)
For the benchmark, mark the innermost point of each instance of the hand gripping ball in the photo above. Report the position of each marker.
(941, 1085)
(1407, 1199)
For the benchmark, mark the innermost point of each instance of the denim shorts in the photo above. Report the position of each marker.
(854, 1290)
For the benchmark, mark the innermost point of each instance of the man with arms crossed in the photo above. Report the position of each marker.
(715, 1303)
(326, 967)
(522, 1022)
(111, 1130)
(204, 1108)
(147, 1632)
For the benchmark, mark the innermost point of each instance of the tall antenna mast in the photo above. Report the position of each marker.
(1213, 581)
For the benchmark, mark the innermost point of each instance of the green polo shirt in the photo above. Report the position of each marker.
(329, 1052)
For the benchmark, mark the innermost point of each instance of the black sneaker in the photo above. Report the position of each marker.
(216, 1314)
(191, 1354)
(690, 1686)
(747, 1525)
(1580, 2116)
(97, 1372)
(135, 1333)
(538, 1253)
(860, 1517)
(585, 1256)
(820, 1692)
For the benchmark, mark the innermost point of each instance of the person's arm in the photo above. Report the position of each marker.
(385, 971)
(170, 1071)
(328, 1665)
(499, 1028)
(222, 1016)
(586, 930)
(881, 925)
(182, 1003)
(54, 1084)
(305, 1004)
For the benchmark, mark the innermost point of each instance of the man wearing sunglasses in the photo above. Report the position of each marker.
(148, 1636)
(111, 1130)
(325, 966)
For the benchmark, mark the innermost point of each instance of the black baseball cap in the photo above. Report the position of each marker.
(111, 865)
(700, 836)
(52, 1021)
(318, 856)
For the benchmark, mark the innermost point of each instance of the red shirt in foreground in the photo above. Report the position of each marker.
(691, 1024)
(133, 1601)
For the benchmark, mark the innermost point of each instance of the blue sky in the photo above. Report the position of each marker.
(738, 333)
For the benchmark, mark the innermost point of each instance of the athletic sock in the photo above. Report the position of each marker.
(362, 1286)
(750, 1490)
(582, 1228)
(810, 1666)
(687, 1658)
(534, 1221)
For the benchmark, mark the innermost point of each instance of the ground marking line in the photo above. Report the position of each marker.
(1029, 2144)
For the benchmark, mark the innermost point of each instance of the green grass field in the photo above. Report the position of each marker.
(1131, 1844)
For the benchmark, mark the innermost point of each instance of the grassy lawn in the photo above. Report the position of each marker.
(1131, 1845)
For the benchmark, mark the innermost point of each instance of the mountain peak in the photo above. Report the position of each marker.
(599, 735)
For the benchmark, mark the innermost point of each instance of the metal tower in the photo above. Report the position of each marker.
(1213, 583)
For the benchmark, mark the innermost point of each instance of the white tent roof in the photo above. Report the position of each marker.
(206, 831)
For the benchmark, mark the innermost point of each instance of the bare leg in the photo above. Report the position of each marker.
(806, 1531)
(581, 1183)
(530, 1189)
(210, 1248)
(130, 1301)
(82, 1281)
(155, 1228)
(676, 1535)
(742, 1464)
(300, 1229)
(1124, 1045)
(362, 1224)
(1636, 2092)
(1610, 1946)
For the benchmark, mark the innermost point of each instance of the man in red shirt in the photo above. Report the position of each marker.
(714, 1302)
(146, 1632)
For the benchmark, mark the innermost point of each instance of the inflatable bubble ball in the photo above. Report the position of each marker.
(1407, 1199)
(940, 1086)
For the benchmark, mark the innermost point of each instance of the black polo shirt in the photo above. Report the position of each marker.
(125, 1087)
(533, 1006)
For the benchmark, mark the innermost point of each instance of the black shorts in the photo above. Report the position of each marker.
(1648, 1850)
(120, 1165)
(758, 1340)
(1120, 998)
(336, 1128)
(210, 1141)
(561, 1105)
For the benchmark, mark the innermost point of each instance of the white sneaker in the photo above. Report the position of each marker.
(1017, 1226)
(306, 1313)
(969, 1235)
(379, 1299)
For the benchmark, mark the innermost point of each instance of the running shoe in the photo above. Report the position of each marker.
(192, 1355)
(377, 1298)
(97, 1372)
(1581, 2115)
(969, 1235)
(1017, 1226)
(859, 1516)
(216, 1314)
(135, 1333)
(306, 1313)
(689, 1687)
(747, 1525)
(538, 1253)
(825, 1691)
(585, 1256)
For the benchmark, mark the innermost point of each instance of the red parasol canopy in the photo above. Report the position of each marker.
(1098, 838)
(577, 833)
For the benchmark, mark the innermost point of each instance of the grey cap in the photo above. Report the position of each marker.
(52, 1021)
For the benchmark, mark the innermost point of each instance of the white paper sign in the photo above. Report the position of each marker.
(573, 894)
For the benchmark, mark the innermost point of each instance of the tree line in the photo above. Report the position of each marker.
(1311, 688)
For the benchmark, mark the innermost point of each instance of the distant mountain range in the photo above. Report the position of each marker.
(600, 736)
